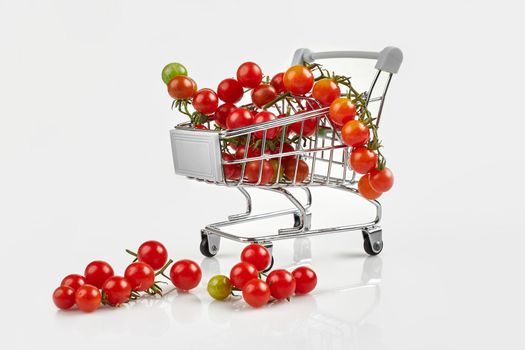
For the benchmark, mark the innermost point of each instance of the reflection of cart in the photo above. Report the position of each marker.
(197, 154)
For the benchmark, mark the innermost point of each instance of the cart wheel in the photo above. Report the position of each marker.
(368, 246)
(205, 248)
(269, 266)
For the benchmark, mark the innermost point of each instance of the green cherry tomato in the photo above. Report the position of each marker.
(219, 287)
(172, 70)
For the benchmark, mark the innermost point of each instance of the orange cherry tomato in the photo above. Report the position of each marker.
(298, 80)
(355, 133)
(182, 87)
(342, 110)
(326, 91)
(365, 189)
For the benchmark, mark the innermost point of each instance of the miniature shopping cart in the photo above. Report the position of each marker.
(197, 154)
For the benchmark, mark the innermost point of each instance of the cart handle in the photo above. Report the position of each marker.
(389, 59)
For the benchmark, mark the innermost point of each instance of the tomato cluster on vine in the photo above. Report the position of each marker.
(347, 113)
(100, 286)
(246, 277)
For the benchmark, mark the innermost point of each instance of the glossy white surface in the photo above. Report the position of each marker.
(86, 171)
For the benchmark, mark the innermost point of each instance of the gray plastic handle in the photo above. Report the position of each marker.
(389, 59)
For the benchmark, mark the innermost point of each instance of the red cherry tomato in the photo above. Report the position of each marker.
(263, 94)
(326, 91)
(252, 152)
(238, 118)
(185, 274)
(201, 127)
(341, 111)
(362, 160)
(153, 253)
(281, 283)
(286, 149)
(97, 272)
(241, 273)
(74, 281)
(365, 189)
(64, 297)
(205, 101)
(381, 180)
(231, 171)
(302, 171)
(262, 117)
(140, 276)
(88, 298)
(252, 172)
(257, 255)
(305, 280)
(355, 133)
(298, 80)
(182, 87)
(222, 113)
(256, 293)
(277, 83)
(230, 91)
(308, 128)
(117, 290)
(249, 74)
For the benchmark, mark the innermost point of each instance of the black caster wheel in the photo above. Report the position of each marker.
(368, 246)
(269, 266)
(205, 247)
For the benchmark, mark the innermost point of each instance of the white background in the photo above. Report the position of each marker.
(86, 171)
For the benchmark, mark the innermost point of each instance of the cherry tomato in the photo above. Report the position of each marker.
(117, 290)
(172, 70)
(256, 293)
(238, 118)
(201, 127)
(365, 189)
(219, 287)
(362, 160)
(88, 298)
(182, 87)
(252, 152)
(298, 80)
(263, 94)
(355, 133)
(241, 273)
(257, 255)
(97, 272)
(230, 91)
(262, 117)
(231, 171)
(275, 165)
(286, 149)
(249, 74)
(74, 281)
(277, 82)
(205, 101)
(305, 280)
(140, 276)
(308, 128)
(381, 180)
(281, 283)
(252, 171)
(185, 274)
(341, 111)
(326, 91)
(64, 297)
(302, 171)
(222, 113)
(153, 253)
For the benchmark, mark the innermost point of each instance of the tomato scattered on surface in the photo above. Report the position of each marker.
(241, 273)
(64, 297)
(282, 284)
(88, 298)
(305, 280)
(140, 276)
(257, 255)
(185, 274)
(153, 253)
(97, 272)
(256, 293)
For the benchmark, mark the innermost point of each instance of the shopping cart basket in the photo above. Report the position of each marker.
(197, 154)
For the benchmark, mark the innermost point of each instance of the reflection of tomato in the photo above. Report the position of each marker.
(365, 189)
(381, 180)
(362, 160)
(342, 110)
(298, 80)
(326, 91)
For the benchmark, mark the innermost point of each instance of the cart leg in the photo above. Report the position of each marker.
(248, 206)
(210, 244)
(373, 240)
